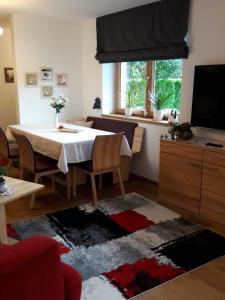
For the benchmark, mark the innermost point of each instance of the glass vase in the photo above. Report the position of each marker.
(57, 120)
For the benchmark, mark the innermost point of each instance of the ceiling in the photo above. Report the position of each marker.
(70, 10)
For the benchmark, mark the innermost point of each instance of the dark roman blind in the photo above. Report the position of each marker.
(153, 31)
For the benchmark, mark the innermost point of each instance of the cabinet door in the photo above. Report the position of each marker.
(213, 206)
(180, 181)
(179, 193)
(213, 179)
(186, 170)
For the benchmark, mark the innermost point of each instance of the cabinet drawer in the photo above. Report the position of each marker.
(216, 158)
(213, 206)
(178, 148)
(180, 194)
(213, 178)
(183, 169)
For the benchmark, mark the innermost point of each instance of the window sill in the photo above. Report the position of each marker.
(136, 119)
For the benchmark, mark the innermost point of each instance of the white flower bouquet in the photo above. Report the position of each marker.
(58, 102)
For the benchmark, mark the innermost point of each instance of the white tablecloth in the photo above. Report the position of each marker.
(63, 146)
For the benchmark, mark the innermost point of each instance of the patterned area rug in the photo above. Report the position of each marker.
(126, 246)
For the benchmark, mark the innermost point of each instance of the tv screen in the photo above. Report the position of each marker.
(208, 106)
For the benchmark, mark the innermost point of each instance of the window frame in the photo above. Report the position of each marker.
(150, 84)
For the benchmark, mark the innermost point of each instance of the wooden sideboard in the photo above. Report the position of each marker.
(192, 176)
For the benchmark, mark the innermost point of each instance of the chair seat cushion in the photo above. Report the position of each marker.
(85, 165)
(44, 163)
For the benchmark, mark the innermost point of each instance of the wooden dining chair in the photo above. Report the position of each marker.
(11, 152)
(105, 158)
(34, 162)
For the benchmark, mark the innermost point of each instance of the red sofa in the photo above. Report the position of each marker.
(32, 270)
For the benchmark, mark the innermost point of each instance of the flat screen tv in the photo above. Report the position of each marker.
(208, 106)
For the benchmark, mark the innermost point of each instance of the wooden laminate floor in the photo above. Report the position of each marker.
(204, 283)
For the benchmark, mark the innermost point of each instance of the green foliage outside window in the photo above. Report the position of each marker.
(165, 69)
(168, 75)
(136, 84)
(172, 88)
(167, 81)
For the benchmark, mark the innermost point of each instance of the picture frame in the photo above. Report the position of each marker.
(9, 74)
(46, 91)
(61, 79)
(46, 74)
(31, 79)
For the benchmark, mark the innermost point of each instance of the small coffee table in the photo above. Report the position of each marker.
(22, 188)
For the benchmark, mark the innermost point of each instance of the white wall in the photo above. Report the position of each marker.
(108, 88)
(92, 71)
(207, 46)
(7, 90)
(41, 42)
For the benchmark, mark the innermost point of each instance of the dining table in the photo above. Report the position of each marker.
(68, 145)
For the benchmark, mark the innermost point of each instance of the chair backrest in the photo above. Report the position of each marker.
(106, 152)
(26, 152)
(138, 139)
(4, 146)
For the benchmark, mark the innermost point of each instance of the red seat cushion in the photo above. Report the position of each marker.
(72, 282)
(31, 270)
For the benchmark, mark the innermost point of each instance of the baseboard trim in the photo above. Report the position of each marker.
(135, 176)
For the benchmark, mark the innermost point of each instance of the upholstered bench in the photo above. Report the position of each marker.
(115, 126)
(133, 133)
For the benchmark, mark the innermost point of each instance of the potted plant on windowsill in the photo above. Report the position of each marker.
(129, 101)
(128, 110)
(132, 97)
(159, 103)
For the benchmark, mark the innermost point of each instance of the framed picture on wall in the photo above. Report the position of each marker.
(9, 75)
(31, 79)
(46, 74)
(46, 91)
(61, 79)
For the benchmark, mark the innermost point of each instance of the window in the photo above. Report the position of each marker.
(135, 80)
